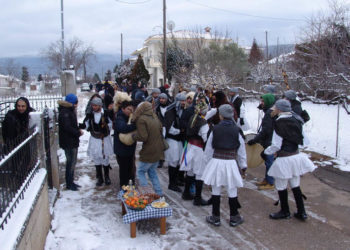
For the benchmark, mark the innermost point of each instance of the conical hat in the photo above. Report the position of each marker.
(253, 152)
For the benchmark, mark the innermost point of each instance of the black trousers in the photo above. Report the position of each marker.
(126, 173)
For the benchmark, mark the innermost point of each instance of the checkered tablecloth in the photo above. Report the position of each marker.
(148, 213)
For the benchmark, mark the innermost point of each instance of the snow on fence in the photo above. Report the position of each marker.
(37, 102)
(18, 164)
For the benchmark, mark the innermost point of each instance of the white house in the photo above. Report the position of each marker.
(152, 49)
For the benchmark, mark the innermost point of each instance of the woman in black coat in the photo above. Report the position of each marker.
(16, 121)
(124, 153)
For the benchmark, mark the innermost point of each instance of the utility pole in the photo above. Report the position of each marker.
(121, 48)
(62, 38)
(164, 42)
(267, 48)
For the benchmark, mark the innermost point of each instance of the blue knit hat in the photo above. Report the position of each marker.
(71, 98)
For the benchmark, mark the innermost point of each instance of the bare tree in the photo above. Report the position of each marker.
(12, 68)
(322, 59)
(216, 58)
(76, 53)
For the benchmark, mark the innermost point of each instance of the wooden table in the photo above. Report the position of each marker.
(131, 216)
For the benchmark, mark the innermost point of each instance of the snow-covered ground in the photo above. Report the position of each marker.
(87, 220)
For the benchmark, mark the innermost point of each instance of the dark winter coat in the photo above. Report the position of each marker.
(16, 123)
(168, 116)
(149, 131)
(296, 107)
(69, 132)
(290, 129)
(237, 103)
(121, 126)
(264, 136)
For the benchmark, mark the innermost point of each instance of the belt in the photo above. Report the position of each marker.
(196, 142)
(225, 154)
(282, 153)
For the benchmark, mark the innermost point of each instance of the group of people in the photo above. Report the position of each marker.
(200, 136)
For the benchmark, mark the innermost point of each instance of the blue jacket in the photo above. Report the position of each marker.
(121, 126)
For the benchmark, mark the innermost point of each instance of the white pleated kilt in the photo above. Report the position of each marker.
(219, 172)
(95, 147)
(194, 158)
(173, 153)
(291, 166)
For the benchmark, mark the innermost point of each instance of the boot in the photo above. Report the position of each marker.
(198, 201)
(180, 177)
(284, 212)
(173, 179)
(186, 195)
(235, 217)
(298, 196)
(214, 219)
(106, 170)
(99, 175)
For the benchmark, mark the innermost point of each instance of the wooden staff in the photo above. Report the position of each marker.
(285, 78)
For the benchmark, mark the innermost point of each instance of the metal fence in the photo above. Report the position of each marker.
(37, 102)
(18, 164)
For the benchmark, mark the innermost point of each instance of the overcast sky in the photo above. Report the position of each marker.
(27, 26)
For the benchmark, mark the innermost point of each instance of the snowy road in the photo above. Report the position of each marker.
(91, 218)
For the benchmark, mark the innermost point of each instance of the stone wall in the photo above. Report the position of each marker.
(38, 225)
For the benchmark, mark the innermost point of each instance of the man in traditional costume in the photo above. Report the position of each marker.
(196, 133)
(225, 154)
(100, 143)
(174, 137)
(290, 164)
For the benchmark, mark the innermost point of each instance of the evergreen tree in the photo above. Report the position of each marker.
(25, 74)
(96, 78)
(139, 71)
(40, 78)
(255, 54)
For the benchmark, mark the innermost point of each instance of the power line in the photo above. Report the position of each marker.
(141, 2)
(245, 14)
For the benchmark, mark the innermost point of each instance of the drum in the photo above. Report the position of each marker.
(253, 152)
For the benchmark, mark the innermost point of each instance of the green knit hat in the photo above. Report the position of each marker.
(269, 100)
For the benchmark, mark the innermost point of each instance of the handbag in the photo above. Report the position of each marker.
(127, 138)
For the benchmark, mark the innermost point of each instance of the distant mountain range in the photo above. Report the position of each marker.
(37, 65)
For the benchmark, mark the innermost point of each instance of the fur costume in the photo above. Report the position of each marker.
(118, 98)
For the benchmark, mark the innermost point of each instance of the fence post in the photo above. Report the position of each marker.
(337, 139)
(41, 143)
(54, 157)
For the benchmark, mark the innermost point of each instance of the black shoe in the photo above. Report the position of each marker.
(187, 196)
(106, 171)
(280, 215)
(200, 202)
(77, 185)
(180, 183)
(174, 188)
(236, 220)
(302, 217)
(99, 183)
(73, 188)
(214, 220)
